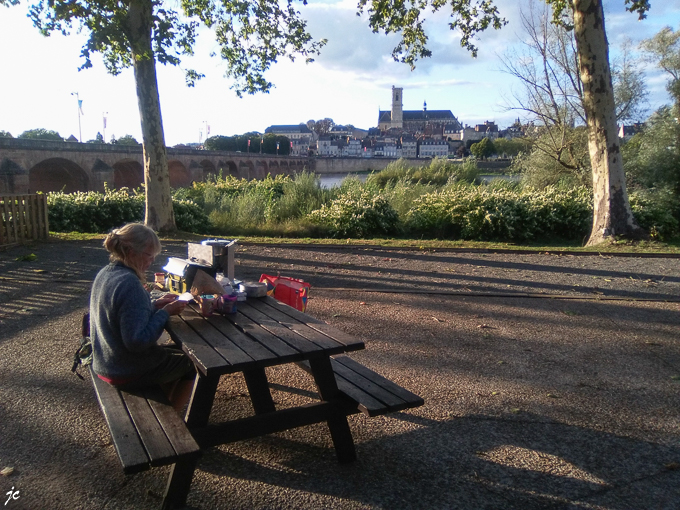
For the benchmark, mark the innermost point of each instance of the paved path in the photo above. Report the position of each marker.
(550, 382)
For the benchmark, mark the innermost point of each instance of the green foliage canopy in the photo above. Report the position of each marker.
(251, 35)
(664, 50)
(511, 147)
(266, 143)
(125, 140)
(41, 134)
(483, 149)
(651, 158)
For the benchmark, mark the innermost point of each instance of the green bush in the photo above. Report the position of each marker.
(652, 157)
(501, 213)
(357, 213)
(657, 210)
(211, 193)
(300, 196)
(190, 217)
(401, 195)
(95, 212)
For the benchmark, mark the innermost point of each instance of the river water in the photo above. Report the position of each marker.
(330, 180)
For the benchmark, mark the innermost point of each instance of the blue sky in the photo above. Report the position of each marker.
(349, 82)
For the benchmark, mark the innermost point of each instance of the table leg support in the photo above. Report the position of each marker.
(341, 434)
(201, 401)
(342, 439)
(258, 387)
(179, 483)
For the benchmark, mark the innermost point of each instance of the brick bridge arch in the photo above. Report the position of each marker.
(57, 174)
(128, 173)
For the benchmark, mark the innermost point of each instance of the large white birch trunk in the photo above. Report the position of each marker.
(612, 215)
(158, 214)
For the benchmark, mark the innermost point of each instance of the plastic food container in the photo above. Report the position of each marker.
(227, 304)
(208, 303)
(254, 289)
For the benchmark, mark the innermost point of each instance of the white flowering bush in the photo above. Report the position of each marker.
(92, 211)
(501, 214)
(358, 212)
(96, 212)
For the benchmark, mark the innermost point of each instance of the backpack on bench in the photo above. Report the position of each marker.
(83, 356)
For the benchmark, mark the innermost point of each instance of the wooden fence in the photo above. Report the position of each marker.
(23, 218)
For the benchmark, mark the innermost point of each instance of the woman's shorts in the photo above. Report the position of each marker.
(176, 365)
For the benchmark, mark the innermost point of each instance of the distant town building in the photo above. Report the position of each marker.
(514, 131)
(487, 130)
(300, 136)
(409, 146)
(352, 149)
(323, 146)
(292, 132)
(429, 148)
(340, 131)
(627, 132)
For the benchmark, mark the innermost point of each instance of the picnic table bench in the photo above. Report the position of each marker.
(147, 432)
(366, 391)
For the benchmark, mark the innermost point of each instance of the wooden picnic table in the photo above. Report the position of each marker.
(263, 333)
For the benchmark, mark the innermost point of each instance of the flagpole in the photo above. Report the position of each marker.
(80, 131)
(104, 114)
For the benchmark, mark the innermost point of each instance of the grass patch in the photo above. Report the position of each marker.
(644, 247)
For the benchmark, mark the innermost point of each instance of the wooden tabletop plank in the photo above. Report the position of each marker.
(231, 352)
(202, 354)
(350, 343)
(264, 337)
(293, 339)
(302, 329)
(251, 347)
(289, 310)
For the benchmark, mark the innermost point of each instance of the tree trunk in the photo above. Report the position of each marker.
(612, 215)
(158, 214)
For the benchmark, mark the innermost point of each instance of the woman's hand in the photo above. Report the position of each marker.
(175, 307)
(164, 300)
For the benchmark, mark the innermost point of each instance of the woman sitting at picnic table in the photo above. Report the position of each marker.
(125, 324)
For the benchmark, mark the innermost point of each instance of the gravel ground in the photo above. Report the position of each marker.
(550, 381)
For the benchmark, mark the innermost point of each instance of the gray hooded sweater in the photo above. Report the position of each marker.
(124, 325)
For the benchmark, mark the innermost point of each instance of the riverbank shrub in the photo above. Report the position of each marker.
(300, 195)
(358, 212)
(439, 172)
(210, 193)
(95, 212)
(501, 213)
(92, 211)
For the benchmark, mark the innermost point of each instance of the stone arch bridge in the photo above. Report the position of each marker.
(27, 166)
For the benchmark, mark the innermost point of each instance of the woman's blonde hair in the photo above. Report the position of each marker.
(134, 238)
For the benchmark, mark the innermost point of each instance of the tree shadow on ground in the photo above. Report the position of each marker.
(470, 462)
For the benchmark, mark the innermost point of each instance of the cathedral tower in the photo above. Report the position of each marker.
(397, 111)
